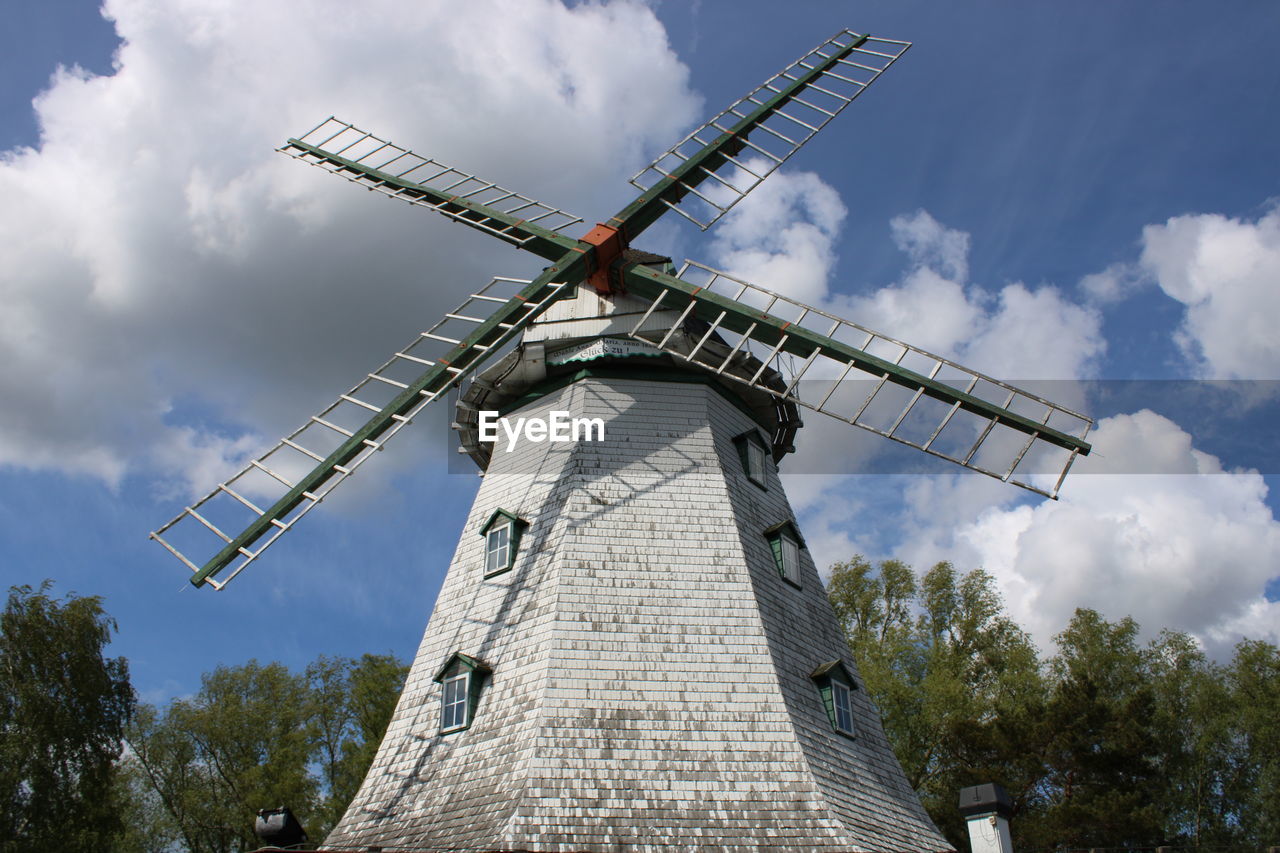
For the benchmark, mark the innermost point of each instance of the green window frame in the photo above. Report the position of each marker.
(502, 534)
(836, 686)
(753, 454)
(786, 543)
(461, 679)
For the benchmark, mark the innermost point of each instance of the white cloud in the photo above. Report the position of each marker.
(158, 259)
(1115, 283)
(925, 309)
(782, 236)
(200, 458)
(1225, 272)
(1189, 547)
(1036, 334)
(929, 244)
(1013, 332)
(173, 289)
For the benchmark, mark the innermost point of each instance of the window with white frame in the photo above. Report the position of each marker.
(786, 543)
(835, 687)
(454, 701)
(460, 679)
(790, 559)
(497, 548)
(842, 703)
(501, 534)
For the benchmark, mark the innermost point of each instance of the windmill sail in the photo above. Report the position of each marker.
(230, 527)
(968, 418)
(743, 145)
(380, 165)
(913, 397)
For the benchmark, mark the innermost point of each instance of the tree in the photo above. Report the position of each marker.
(957, 683)
(167, 758)
(1198, 753)
(148, 827)
(1108, 743)
(63, 710)
(352, 705)
(1253, 679)
(243, 743)
(329, 680)
(1103, 781)
(990, 693)
(258, 736)
(376, 682)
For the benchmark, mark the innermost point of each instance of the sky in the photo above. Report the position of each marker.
(1082, 194)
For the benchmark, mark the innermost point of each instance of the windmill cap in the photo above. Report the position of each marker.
(590, 333)
(986, 799)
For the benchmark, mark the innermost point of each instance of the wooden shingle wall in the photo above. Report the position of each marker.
(650, 686)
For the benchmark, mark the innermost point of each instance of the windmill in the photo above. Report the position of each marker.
(632, 648)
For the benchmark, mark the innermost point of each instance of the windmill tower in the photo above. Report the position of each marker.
(632, 649)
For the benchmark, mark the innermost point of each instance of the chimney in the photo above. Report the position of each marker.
(986, 809)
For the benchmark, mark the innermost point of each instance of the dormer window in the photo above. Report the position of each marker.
(501, 541)
(842, 706)
(453, 707)
(752, 453)
(786, 543)
(836, 687)
(497, 548)
(460, 680)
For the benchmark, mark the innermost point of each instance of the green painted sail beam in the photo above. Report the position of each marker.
(525, 235)
(652, 203)
(572, 261)
(649, 283)
(467, 354)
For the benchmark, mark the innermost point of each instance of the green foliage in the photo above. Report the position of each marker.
(1195, 721)
(953, 677)
(63, 709)
(1254, 679)
(1101, 780)
(241, 744)
(352, 703)
(147, 826)
(258, 736)
(1107, 743)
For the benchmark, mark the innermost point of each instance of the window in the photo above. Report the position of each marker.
(786, 543)
(790, 558)
(755, 461)
(836, 686)
(501, 541)
(453, 706)
(842, 705)
(460, 680)
(751, 450)
(497, 548)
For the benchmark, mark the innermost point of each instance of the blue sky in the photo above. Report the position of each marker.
(1079, 191)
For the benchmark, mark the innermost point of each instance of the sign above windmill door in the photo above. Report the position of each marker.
(602, 348)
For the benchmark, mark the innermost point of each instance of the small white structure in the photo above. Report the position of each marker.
(987, 809)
